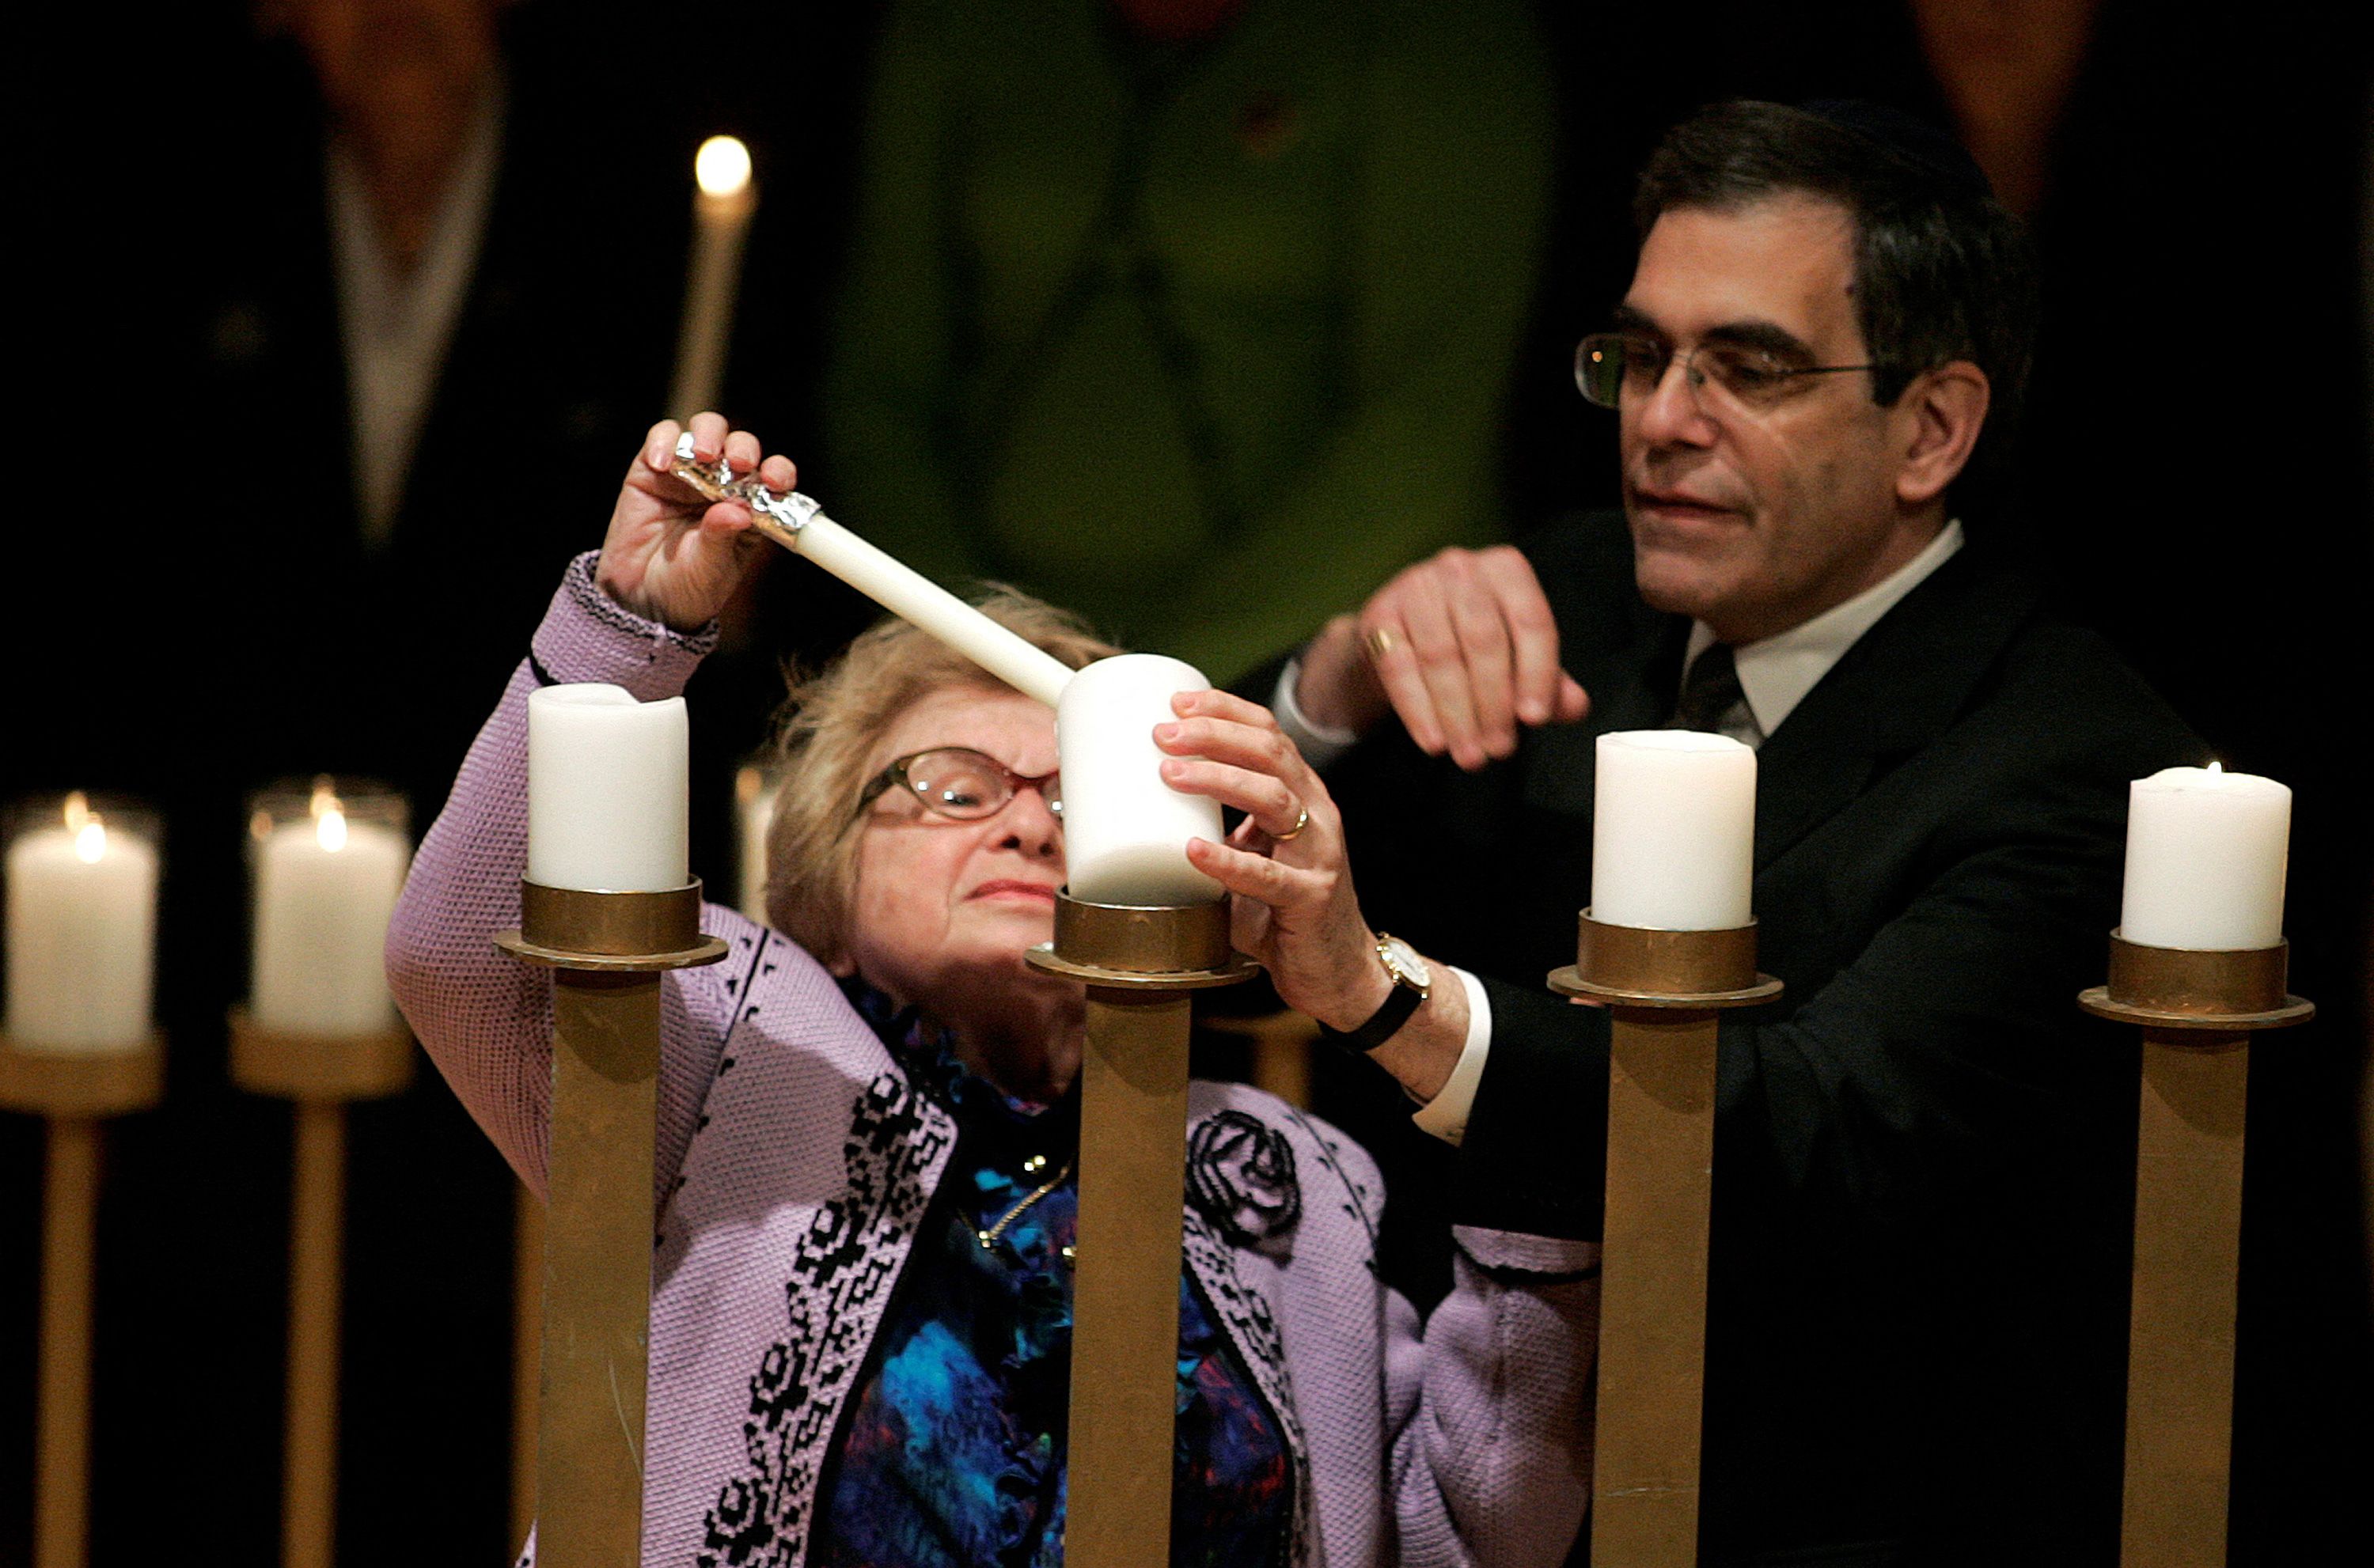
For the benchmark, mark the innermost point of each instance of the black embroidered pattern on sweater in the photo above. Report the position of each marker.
(1245, 1314)
(1240, 1174)
(841, 1281)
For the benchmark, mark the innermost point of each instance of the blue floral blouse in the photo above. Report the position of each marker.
(953, 1452)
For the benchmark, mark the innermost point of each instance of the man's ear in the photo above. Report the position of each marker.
(1944, 410)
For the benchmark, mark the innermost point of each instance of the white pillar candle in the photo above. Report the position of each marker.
(1125, 831)
(1672, 831)
(754, 813)
(81, 933)
(324, 887)
(606, 790)
(2206, 853)
(723, 205)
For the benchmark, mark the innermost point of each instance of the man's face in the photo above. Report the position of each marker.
(1754, 518)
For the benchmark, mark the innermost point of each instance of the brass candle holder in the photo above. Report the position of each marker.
(319, 1075)
(1139, 964)
(1662, 990)
(608, 952)
(2197, 1010)
(73, 1093)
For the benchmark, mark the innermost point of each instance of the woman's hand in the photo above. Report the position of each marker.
(669, 555)
(1294, 908)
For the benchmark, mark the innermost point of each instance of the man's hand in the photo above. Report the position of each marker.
(669, 555)
(1462, 646)
(1294, 907)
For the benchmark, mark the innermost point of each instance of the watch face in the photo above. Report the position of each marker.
(1403, 960)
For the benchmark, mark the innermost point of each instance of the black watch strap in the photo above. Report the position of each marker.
(1383, 1024)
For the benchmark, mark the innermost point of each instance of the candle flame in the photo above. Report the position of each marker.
(747, 782)
(2215, 766)
(330, 827)
(90, 841)
(78, 811)
(722, 165)
(325, 795)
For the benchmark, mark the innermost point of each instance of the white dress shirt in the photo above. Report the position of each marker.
(1774, 674)
(394, 325)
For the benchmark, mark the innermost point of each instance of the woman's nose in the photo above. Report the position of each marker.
(1031, 823)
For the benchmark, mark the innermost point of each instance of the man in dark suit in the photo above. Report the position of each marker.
(1916, 1294)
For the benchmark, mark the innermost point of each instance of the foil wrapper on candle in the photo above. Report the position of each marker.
(608, 789)
(326, 863)
(81, 925)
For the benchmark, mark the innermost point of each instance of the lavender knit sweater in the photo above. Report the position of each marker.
(795, 1160)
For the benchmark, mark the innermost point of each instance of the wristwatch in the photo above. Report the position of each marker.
(1412, 980)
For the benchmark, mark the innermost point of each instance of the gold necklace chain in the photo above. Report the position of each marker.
(988, 1237)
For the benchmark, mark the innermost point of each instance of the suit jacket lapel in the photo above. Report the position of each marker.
(1901, 684)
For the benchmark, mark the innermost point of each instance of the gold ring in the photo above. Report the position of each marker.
(1300, 822)
(1380, 642)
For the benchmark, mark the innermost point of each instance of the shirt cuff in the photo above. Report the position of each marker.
(1319, 743)
(1445, 1116)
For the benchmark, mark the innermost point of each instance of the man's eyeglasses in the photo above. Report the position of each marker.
(957, 781)
(1612, 365)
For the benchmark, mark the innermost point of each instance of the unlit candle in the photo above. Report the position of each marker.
(1125, 831)
(606, 790)
(2206, 853)
(1672, 832)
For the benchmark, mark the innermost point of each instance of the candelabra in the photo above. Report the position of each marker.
(1139, 964)
(1664, 990)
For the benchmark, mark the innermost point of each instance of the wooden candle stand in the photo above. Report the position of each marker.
(1139, 964)
(2197, 1010)
(319, 1074)
(608, 952)
(73, 1093)
(1664, 990)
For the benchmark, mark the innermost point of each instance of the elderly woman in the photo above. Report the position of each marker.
(861, 1317)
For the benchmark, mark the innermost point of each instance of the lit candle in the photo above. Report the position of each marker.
(82, 931)
(325, 884)
(1672, 832)
(2207, 852)
(1125, 831)
(722, 209)
(606, 790)
(754, 813)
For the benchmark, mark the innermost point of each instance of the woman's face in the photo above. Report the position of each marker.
(945, 908)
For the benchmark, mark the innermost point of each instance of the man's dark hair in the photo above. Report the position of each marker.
(1942, 271)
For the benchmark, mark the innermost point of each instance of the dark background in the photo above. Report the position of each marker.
(2195, 481)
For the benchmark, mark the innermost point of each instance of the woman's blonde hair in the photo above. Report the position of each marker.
(831, 722)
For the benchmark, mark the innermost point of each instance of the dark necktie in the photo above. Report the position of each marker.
(1710, 691)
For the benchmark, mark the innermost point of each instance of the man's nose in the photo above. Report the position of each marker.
(1670, 413)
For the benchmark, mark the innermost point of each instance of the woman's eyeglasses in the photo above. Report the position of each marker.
(959, 783)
